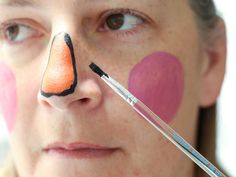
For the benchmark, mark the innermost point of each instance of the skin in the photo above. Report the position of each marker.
(94, 113)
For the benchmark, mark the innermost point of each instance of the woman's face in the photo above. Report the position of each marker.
(152, 47)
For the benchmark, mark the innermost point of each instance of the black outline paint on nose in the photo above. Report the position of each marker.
(71, 90)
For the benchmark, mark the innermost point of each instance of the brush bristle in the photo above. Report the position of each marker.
(97, 70)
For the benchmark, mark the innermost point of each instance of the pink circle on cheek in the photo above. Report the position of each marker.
(158, 81)
(8, 95)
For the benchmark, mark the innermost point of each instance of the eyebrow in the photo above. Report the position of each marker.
(18, 2)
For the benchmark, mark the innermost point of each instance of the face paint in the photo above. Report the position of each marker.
(8, 95)
(60, 77)
(158, 81)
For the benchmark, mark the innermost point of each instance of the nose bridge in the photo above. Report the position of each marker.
(60, 76)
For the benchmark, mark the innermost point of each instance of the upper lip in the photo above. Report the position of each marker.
(76, 146)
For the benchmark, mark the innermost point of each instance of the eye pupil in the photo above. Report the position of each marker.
(12, 32)
(115, 21)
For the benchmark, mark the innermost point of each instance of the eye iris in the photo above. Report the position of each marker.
(12, 32)
(115, 21)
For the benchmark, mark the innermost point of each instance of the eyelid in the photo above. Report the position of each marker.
(109, 12)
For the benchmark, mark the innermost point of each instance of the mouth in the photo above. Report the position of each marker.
(79, 150)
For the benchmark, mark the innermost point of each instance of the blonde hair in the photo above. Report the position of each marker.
(206, 140)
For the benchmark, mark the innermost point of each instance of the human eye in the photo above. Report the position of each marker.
(14, 32)
(121, 20)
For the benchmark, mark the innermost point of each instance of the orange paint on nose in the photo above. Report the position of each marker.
(60, 77)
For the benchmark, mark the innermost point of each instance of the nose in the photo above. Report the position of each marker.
(60, 87)
(60, 77)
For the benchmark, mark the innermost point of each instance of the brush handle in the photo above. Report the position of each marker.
(162, 127)
(176, 139)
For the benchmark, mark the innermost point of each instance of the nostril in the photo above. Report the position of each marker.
(45, 103)
(84, 100)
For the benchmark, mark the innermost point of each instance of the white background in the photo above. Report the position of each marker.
(226, 149)
(227, 114)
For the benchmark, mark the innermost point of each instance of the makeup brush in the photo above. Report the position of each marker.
(158, 123)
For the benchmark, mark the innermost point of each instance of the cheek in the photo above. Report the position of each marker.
(8, 95)
(158, 81)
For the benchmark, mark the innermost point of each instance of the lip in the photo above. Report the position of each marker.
(79, 150)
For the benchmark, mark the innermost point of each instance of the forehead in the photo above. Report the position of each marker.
(75, 5)
(32, 2)
(153, 5)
